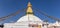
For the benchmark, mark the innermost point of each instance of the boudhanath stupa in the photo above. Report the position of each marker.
(29, 21)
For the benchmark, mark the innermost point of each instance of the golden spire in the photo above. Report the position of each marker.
(29, 9)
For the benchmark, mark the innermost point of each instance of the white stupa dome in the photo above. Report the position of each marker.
(29, 18)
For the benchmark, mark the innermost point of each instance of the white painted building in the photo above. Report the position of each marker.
(27, 21)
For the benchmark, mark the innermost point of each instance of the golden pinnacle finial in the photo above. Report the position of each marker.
(29, 4)
(29, 9)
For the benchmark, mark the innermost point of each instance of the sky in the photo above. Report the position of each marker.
(51, 7)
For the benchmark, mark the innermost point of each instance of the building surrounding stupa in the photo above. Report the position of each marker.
(30, 21)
